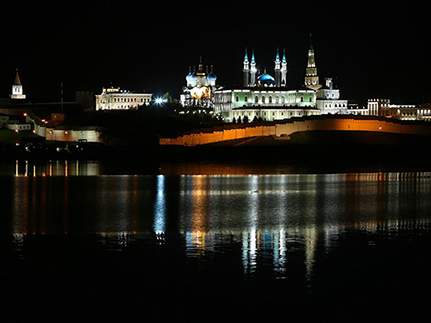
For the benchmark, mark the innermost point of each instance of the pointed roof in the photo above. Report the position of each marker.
(252, 57)
(277, 57)
(311, 42)
(17, 80)
(246, 56)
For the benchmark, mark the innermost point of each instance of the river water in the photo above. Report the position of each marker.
(81, 242)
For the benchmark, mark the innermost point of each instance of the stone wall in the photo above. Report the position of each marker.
(287, 127)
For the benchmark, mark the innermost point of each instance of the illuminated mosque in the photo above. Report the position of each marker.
(264, 97)
(200, 87)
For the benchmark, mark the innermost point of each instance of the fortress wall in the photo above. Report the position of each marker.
(226, 133)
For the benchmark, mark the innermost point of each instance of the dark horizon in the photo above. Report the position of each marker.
(371, 49)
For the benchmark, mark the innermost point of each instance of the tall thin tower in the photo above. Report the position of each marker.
(17, 92)
(277, 69)
(284, 69)
(246, 70)
(253, 69)
(311, 78)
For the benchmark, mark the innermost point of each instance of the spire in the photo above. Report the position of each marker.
(246, 69)
(311, 77)
(17, 92)
(277, 57)
(277, 69)
(253, 69)
(284, 69)
(17, 80)
(246, 56)
(201, 67)
(311, 41)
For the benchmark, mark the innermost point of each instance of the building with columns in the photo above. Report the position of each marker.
(116, 99)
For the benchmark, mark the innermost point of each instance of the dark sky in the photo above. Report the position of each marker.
(372, 48)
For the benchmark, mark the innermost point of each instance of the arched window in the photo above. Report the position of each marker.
(256, 99)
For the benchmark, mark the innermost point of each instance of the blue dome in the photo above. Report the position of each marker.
(266, 79)
(211, 77)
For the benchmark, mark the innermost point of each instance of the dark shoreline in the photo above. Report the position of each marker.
(304, 152)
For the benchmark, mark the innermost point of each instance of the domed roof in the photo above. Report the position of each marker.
(266, 79)
(211, 77)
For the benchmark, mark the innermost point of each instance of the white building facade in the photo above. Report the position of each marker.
(116, 99)
(265, 103)
(328, 99)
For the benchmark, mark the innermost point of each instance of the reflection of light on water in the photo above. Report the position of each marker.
(280, 253)
(196, 243)
(310, 236)
(56, 168)
(160, 206)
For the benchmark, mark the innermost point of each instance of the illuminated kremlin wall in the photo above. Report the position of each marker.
(285, 128)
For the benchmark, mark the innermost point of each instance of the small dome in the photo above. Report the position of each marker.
(266, 79)
(211, 77)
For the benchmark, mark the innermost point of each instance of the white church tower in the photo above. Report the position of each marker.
(17, 92)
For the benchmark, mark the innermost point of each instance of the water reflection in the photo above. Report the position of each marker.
(64, 168)
(270, 218)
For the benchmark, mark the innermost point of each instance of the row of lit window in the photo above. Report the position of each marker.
(116, 99)
(256, 99)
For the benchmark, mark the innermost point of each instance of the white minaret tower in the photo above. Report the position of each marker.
(17, 92)
(284, 69)
(246, 70)
(277, 69)
(253, 70)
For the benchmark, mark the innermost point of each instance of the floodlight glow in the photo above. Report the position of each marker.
(159, 100)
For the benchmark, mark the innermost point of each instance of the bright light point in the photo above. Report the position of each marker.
(159, 100)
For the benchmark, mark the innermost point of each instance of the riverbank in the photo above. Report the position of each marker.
(332, 149)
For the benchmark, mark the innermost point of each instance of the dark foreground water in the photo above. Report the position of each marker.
(79, 245)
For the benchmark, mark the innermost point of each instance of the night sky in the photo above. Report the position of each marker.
(371, 48)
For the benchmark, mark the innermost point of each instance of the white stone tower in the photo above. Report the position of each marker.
(17, 92)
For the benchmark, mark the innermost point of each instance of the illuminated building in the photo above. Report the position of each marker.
(328, 99)
(424, 112)
(311, 77)
(17, 91)
(200, 87)
(116, 99)
(263, 96)
(384, 108)
(267, 103)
